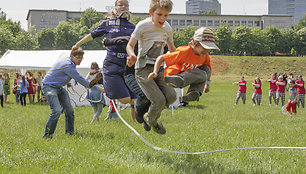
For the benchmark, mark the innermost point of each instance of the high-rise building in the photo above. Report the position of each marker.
(201, 6)
(296, 8)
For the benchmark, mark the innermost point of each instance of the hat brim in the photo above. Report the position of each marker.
(209, 45)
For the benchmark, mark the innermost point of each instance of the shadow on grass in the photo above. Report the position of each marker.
(94, 135)
(191, 164)
(194, 106)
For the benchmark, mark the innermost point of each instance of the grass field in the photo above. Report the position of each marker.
(110, 147)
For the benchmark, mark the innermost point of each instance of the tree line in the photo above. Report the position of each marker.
(240, 40)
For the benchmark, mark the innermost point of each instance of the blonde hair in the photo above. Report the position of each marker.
(166, 4)
(112, 14)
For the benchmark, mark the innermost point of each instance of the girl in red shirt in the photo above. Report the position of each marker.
(241, 91)
(257, 91)
(299, 84)
(280, 91)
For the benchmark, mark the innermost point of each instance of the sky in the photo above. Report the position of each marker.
(17, 10)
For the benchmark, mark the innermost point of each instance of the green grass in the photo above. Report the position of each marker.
(110, 147)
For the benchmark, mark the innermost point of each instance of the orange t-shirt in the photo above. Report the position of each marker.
(184, 59)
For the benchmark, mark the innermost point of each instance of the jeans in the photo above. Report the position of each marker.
(17, 96)
(58, 99)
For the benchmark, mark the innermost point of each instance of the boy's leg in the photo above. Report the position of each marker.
(277, 98)
(288, 106)
(270, 97)
(294, 107)
(1, 100)
(243, 96)
(253, 98)
(64, 100)
(152, 92)
(283, 98)
(237, 98)
(258, 99)
(159, 96)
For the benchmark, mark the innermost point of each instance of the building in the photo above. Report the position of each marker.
(295, 8)
(50, 19)
(201, 6)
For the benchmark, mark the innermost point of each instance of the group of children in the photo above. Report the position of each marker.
(276, 91)
(30, 86)
(187, 65)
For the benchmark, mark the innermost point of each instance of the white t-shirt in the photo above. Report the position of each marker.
(151, 41)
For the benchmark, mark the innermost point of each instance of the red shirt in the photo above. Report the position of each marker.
(184, 59)
(300, 89)
(273, 86)
(242, 88)
(281, 88)
(258, 89)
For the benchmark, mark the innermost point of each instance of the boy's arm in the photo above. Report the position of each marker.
(159, 61)
(131, 59)
(171, 47)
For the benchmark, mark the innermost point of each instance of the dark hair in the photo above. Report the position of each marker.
(78, 52)
(94, 65)
(23, 81)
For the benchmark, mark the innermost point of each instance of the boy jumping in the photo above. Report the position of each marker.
(189, 65)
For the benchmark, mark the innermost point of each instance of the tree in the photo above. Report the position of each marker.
(210, 12)
(2, 15)
(136, 20)
(183, 37)
(289, 40)
(66, 35)
(25, 41)
(301, 24)
(274, 38)
(46, 39)
(260, 44)
(224, 38)
(242, 39)
(90, 17)
(6, 39)
(301, 42)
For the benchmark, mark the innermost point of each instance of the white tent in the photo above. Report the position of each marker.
(44, 60)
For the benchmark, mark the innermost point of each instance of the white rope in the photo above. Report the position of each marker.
(195, 153)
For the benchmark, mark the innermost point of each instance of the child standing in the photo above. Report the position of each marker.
(241, 91)
(1, 92)
(257, 92)
(23, 84)
(94, 96)
(292, 98)
(152, 35)
(280, 91)
(189, 65)
(272, 90)
(301, 91)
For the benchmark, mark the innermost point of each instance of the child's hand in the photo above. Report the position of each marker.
(206, 89)
(131, 60)
(152, 75)
(101, 89)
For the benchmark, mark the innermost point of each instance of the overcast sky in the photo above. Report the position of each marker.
(17, 9)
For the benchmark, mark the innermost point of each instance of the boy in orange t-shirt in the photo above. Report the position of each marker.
(189, 65)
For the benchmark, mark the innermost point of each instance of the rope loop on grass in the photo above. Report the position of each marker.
(195, 153)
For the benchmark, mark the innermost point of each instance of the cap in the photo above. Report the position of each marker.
(280, 77)
(206, 38)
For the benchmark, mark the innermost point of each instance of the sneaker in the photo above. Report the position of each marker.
(191, 96)
(146, 126)
(159, 128)
(174, 81)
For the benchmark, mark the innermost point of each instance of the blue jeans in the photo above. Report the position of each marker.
(58, 100)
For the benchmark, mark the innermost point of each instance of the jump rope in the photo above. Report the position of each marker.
(194, 153)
